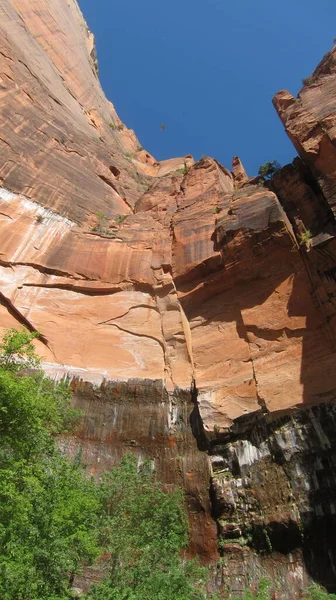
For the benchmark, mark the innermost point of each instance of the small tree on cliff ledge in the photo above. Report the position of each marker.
(268, 170)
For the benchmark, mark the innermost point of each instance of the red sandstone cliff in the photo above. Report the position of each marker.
(189, 293)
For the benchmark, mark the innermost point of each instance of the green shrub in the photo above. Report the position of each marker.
(182, 171)
(307, 80)
(116, 127)
(120, 219)
(316, 592)
(263, 592)
(101, 226)
(268, 170)
(49, 512)
(305, 238)
(17, 350)
(146, 530)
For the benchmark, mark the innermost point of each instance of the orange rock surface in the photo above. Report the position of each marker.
(182, 277)
(310, 121)
(189, 274)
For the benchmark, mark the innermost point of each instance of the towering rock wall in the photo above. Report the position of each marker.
(196, 327)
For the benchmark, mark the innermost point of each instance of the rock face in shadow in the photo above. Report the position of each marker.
(273, 494)
(193, 308)
(311, 123)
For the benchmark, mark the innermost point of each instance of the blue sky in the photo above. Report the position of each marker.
(208, 70)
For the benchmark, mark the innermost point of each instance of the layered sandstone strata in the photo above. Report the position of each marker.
(179, 297)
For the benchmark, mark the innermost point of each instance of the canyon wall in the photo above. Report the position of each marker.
(186, 302)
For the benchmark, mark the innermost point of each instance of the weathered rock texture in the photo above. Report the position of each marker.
(179, 298)
(310, 122)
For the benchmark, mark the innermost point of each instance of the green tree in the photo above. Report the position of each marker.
(49, 522)
(146, 533)
(17, 349)
(268, 170)
(54, 520)
(49, 512)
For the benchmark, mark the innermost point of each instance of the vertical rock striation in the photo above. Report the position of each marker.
(187, 303)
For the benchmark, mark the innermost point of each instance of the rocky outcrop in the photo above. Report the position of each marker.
(311, 124)
(273, 493)
(193, 308)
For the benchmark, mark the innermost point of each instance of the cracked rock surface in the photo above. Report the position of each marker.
(195, 318)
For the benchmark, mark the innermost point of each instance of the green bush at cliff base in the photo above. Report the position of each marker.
(49, 512)
(314, 592)
(54, 520)
(146, 530)
(263, 592)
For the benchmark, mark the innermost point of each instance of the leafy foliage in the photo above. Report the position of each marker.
(54, 520)
(146, 531)
(49, 517)
(263, 592)
(268, 170)
(49, 512)
(316, 592)
(17, 349)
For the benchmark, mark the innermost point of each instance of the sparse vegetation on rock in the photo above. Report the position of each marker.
(101, 227)
(116, 127)
(268, 170)
(120, 219)
(305, 238)
(183, 171)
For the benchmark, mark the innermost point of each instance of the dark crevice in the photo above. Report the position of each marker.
(108, 182)
(14, 312)
(114, 171)
(196, 422)
(74, 288)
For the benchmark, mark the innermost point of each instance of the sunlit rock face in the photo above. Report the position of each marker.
(197, 326)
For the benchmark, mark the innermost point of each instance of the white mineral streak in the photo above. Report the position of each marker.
(34, 208)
